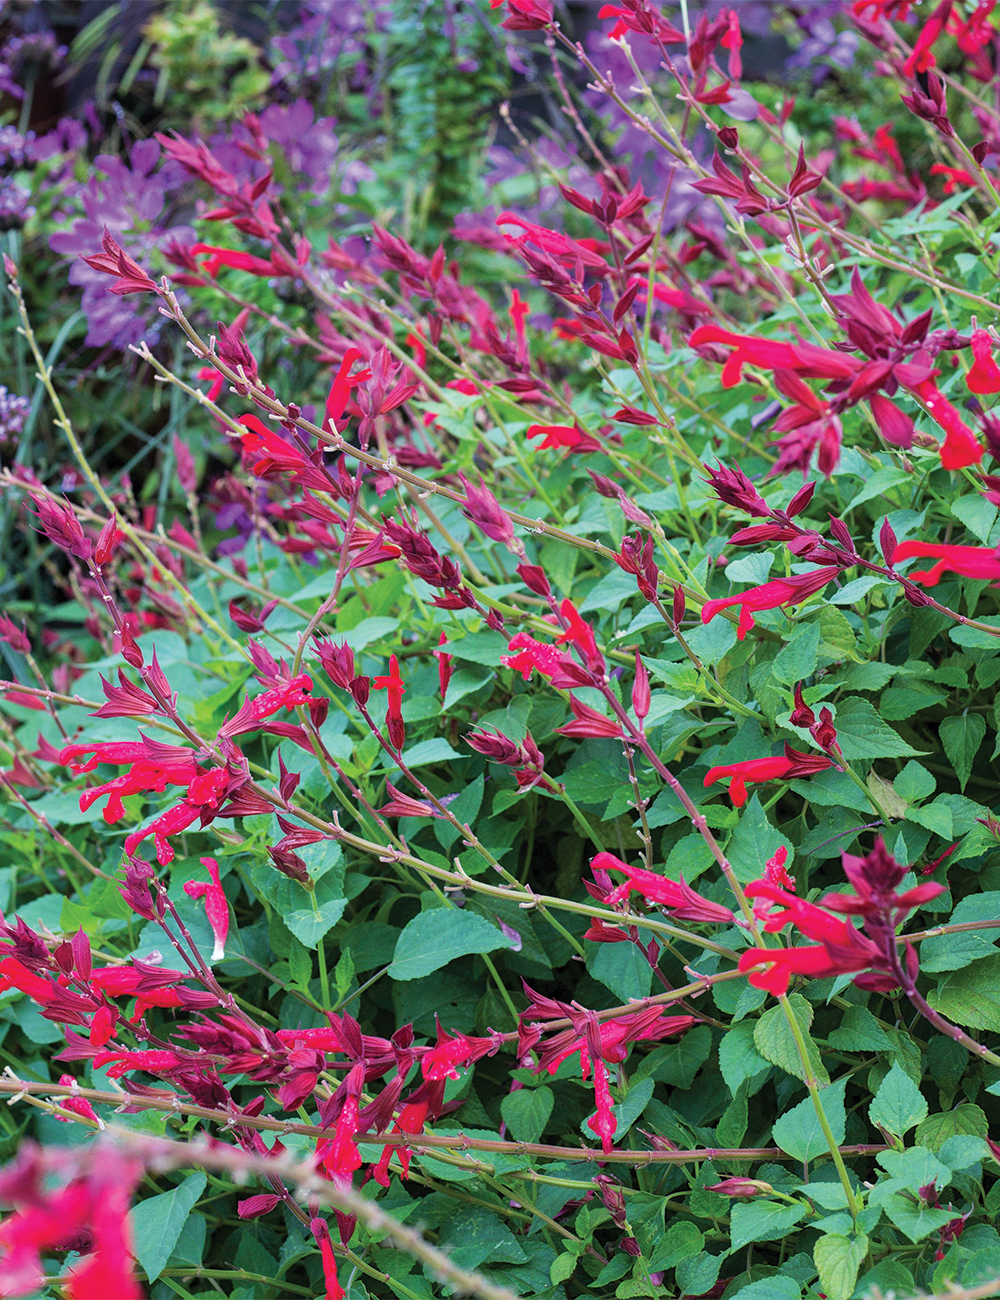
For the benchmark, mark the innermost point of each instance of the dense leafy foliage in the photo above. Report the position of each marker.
(505, 802)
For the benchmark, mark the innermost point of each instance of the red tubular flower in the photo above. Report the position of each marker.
(922, 58)
(216, 905)
(603, 1122)
(232, 257)
(588, 722)
(340, 390)
(960, 447)
(581, 634)
(802, 358)
(394, 688)
(980, 562)
(782, 767)
(775, 873)
(568, 252)
(772, 595)
(675, 895)
(525, 655)
(321, 1234)
(154, 767)
(958, 178)
(562, 435)
(780, 965)
(129, 275)
(984, 377)
(271, 452)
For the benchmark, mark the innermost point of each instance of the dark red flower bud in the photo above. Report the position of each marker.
(679, 605)
(360, 687)
(887, 541)
(800, 500)
(533, 577)
(640, 689)
(338, 663)
(802, 715)
(729, 137)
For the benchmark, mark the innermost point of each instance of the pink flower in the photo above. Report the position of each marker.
(216, 905)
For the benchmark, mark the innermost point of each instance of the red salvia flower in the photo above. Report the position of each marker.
(579, 632)
(869, 953)
(216, 905)
(393, 685)
(129, 275)
(270, 452)
(675, 895)
(980, 562)
(801, 358)
(562, 435)
(984, 377)
(960, 447)
(775, 872)
(922, 58)
(782, 767)
(772, 595)
(340, 390)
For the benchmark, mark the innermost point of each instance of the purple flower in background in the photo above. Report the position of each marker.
(330, 34)
(13, 414)
(14, 206)
(823, 48)
(130, 202)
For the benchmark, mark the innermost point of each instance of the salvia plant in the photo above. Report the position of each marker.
(512, 810)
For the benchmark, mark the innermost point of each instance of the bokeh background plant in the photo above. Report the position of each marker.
(498, 719)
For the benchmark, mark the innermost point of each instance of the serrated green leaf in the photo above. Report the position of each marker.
(971, 996)
(527, 1111)
(157, 1223)
(961, 735)
(761, 1220)
(798, 1131)
(432, 939)
(774, 1040)
(899, 1104)
(838, 1260)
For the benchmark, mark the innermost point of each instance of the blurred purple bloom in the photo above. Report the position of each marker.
(13, 413)
(129, 201)
(14, 206)
(823, 47)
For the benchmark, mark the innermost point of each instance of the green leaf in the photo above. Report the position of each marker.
(157, 1223)
(433, 939)
(838, 1260)
(754, 841)
(738, 1057)
(697, 1274)
(622, 968)
(774, 1040)
(914, 782)
(899, 1104)
(681, 1240)
(435, 750)
(961, 735)
(475, 1235)
(955, 951)
(563, 1267)
(971, 996)
(862, 734)
(914, 1218)
(859, 1031)
(527, 1111)
(676, 1063)
(761, 1220)
(796, 661)
(966, 1119)
(977, 514)
(798, 1131)
(308, 915)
